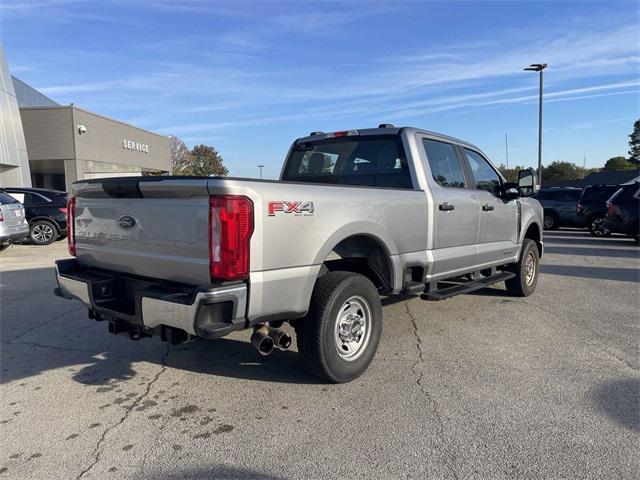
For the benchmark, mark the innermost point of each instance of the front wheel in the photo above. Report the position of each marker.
(526, 270)
(339, 336)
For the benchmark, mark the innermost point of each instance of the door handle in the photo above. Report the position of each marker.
(487, 208)
(446, 207)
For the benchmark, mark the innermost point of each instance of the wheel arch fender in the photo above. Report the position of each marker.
(374, 235)
(533, 230)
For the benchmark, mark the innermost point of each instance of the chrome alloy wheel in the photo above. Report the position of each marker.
(42, 233)
(530, 269)
(598, 227)
(353, 328)
(548, 221)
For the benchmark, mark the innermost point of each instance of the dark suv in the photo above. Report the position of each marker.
(559, 205)
(622, 211)
(46, 212)
(592, 207)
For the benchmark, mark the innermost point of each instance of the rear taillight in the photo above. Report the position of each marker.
(230, 229)
(611, 209)
(1, 216)
(71, 225)
(63, 209)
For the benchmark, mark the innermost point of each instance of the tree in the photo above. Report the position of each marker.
(634, 144)
(561, 171)
(618, 163)
(205, 161)
(181, 157)
(510, 174)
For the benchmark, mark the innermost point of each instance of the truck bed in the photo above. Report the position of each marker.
(169, 239)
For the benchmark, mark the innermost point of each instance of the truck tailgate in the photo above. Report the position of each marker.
(153, 227)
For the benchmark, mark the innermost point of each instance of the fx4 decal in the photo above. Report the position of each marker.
(297, 208)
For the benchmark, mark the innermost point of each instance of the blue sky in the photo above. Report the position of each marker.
(249, 77)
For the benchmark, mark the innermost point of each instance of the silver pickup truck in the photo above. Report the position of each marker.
(356, 215)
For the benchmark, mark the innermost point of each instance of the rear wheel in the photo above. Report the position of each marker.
(43, 232)
(597, 228)
(526, 270)
(339, 336)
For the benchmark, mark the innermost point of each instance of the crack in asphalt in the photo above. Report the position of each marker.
(432, 402)
(53, 347)
(97, 451)
(52, 319)
(585, 341)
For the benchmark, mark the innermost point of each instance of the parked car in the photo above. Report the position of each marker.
(622, 211)
(356, 215)
(592, 207)
(559, 205)
(13, 225)
(46, 212)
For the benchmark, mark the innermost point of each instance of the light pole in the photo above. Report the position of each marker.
(539, 67)
(260, 167)
(506, 149)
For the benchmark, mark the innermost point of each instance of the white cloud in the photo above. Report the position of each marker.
(32, 6)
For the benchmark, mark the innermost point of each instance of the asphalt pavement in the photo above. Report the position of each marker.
(478, 386)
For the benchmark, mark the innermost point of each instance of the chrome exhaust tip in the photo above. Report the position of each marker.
(281, 339)
(261, 341)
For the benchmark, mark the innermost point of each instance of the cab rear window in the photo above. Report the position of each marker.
(367, 160)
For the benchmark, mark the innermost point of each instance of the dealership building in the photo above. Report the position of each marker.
(44, 144)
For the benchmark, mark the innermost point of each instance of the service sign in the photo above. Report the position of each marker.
(138, 147)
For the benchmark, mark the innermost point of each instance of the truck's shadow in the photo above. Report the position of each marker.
(223, 357)
(213, 472)
(38, 336)
(107, 363)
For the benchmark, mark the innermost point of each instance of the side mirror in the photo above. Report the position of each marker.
(526, 183)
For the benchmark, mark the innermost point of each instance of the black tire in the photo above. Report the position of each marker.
(43, 232)
(317, 333)
(550, 221)
(596, 227)
(521, 285)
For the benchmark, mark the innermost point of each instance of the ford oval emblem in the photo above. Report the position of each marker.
(127, 221)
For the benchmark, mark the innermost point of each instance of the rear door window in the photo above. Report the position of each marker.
(367, 160)
(444, 163)
(36, 199)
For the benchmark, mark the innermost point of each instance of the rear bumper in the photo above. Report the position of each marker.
(14, 233)
(616, 225)
(153, 305)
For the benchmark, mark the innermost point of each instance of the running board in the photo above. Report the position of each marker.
(411, 288)
(470, 286)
